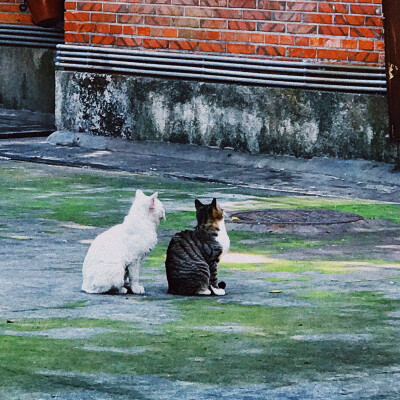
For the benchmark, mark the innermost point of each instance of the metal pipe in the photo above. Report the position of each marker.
(236, 59)
(203, 63)
(203, 71)
(30, 36)
(30, 28)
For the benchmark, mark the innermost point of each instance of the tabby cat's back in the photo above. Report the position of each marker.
(193, 255)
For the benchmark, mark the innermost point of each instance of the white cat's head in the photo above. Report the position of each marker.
(151, 206)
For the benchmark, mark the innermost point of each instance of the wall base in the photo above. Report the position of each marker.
(297, 122)
(27, 78)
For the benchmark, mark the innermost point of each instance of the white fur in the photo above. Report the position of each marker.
(218, 291)
(114, 258)
(222, 237)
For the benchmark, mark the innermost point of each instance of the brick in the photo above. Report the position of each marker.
(228, 13)
(170, 10)
(198, 12)
(213, 24)
(363, 56)
(317, 41)
(156, 1)
(302, 29)
(129, 30)
(272, 5)
(286, 39)
(379, 45)
(374, 21)
(286, 16)
(329, 54)
(129, 42)
(364, 9)
(242, 3)
(242, 37)
(100, 17)
(349, 43)
(143, 31)
(148, 9)
(183, 45)
(304, 6)
(242, 25)
(349, 20)
(211, 47)
(256, 37)
(89, 6)
(9, 8)
(228, 36)
(302, 41)
(270, 27)
(155, 20)
(116, 8)
(76, 16)
(186, 2)
(164, 32)
(70, 5)
(241, 48)
(366, 32)
(255, 15)
(130, 19)
(271, 50)
(333, 30)
(76, 38)
(102, 28)
(213, 3)
(156, 43)
(104, 40)
(186, 33)
(80, 27)
(318, 18)
(366, 45)
(333, 43)
(185, 22)
(206, 35)
(272, 39)
(299, 52)
(333, 8)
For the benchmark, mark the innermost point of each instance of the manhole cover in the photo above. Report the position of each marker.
(293, 217)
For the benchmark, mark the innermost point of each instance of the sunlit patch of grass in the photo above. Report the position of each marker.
(297, 266)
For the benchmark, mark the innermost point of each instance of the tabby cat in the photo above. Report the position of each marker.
(193, 255)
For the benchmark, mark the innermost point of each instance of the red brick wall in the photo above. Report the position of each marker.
(10, 13)
(347, 31)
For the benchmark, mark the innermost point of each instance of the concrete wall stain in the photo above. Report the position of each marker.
(253, 119)
(27, 78)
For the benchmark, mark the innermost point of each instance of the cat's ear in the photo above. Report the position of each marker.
(154, 195)
(198, 204)
(139, 194)
(214, 202)
(153, 198)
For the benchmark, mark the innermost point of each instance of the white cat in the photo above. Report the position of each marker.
(113, 260)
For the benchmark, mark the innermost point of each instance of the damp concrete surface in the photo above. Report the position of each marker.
(310, 311)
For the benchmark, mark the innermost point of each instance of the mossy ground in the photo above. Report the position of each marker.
(226, 341)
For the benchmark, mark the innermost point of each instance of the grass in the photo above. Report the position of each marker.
(187, 350)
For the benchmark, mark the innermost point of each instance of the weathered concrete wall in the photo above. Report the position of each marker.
(256, 119)
(27, 78)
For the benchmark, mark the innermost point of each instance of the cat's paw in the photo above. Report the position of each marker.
(137, 289)
(204, 292)
(217, 291)
(123, 290)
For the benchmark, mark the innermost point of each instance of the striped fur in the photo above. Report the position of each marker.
(193, 255)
